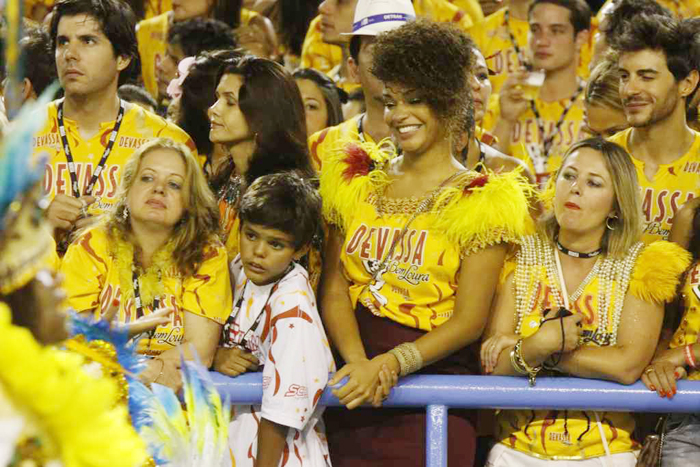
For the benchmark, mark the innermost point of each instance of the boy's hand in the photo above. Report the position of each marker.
(234, 361)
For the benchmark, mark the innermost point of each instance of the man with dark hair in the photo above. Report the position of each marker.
(39, 69)
(91, 133)
(188, 39)
(545, 115)
(137, 95)
(659, 61)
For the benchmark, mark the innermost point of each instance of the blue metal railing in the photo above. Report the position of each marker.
(440, 393)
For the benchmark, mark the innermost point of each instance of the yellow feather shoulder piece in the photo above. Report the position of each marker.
(657, 272)
(481, 210)
(75, 412)
(351, 170)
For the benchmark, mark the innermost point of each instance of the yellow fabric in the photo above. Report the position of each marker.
(419, 285)
(683, 8)
(152, 35)
(492, 38)
(158, 7)
(326, 57)
(471, 7)
(673, 185)
(689, 329)
(569, 434)
(525, 133)
(138, 127)
(92, 282)
(325, 142)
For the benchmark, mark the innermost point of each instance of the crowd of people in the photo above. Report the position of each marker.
(344, 193)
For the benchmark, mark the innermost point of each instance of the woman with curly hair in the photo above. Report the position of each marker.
(158, 248)
(398, 294)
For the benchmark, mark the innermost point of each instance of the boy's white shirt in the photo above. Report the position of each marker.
(291, 346)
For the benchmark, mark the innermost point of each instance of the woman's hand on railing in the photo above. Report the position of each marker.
(491, 350)
(234, 361)
(363, 380)
(387, 380)
(663, 372)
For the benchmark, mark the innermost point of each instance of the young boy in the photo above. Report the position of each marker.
(275, 325)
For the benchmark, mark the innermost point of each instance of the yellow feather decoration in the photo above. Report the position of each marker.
(75, 412)
(481, 216)
(340, 195)
(657, 272)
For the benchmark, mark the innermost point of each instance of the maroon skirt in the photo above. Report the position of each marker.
(383, 437)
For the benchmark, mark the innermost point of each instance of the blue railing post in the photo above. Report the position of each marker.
(436, 436)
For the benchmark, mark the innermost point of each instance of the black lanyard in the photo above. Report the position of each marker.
(105, 155)
(518, 52)
(547, 141)
(360, 132)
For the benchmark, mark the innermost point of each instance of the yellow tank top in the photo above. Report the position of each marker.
(673, 185)
(687, 332)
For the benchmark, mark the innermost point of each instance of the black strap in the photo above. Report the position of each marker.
(518, 52)
(137, 297)
(547, 141)
(360, 132)
(103, 160)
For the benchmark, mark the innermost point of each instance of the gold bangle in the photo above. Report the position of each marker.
(409, 357)
(519, 363)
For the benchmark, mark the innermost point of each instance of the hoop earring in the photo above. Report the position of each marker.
(607, 222)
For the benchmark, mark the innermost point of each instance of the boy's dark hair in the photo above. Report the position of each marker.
(286, 202)
(198, 35)
(136, 94)
(625, 11)
(679, 40)
(118, 23)
(579, 12)
(39, 62)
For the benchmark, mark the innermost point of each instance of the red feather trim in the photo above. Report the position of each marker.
(479, 181)
(358, 162)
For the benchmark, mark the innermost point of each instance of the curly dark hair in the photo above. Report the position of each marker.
(434, 59)
(623, 12)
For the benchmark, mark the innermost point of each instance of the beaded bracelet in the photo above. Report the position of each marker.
(409, 357)
(521, 366)
(689, 357)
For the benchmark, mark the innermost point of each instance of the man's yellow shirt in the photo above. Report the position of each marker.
(329, 140)
(152, 37)
(138, 127)
(673, 185)
(493, 39)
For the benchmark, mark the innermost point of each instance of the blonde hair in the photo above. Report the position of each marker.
(603, 85)
(199, 225)
(627, 203)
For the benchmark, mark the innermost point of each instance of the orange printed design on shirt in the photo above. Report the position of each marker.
(689, 329)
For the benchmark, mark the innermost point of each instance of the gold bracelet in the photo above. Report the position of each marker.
(519, 363)
(409, 357)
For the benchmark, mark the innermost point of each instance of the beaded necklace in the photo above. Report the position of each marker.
(613, 276)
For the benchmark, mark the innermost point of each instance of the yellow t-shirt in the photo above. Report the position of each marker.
(138, 127)
(563, 434)
(525, 132)
(687, 332)
(674, 184)
(152, 36)
(683, 8)
(93, 279)
(326, 57)
(493, 39)
(157, 7)
(323, 143)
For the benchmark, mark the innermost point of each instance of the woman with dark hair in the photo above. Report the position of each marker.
(198, 94)
(322, 99)
(258, 117)
(291, 19)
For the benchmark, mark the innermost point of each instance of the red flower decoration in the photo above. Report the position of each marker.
(477, 182)
(358, 162)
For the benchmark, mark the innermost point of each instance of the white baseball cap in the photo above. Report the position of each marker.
(376, 16)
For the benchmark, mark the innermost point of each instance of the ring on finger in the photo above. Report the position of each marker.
(648, 370)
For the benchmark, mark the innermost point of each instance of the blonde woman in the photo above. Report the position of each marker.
(158, 248)
(602, 104)
(582, 297)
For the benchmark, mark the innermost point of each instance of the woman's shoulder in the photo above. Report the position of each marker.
(657, 270)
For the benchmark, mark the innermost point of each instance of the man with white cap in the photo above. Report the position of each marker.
(372, 17)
